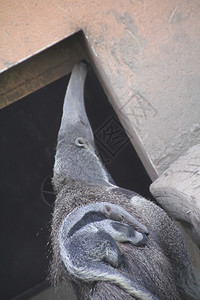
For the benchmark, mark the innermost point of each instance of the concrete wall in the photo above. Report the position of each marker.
(146, 53)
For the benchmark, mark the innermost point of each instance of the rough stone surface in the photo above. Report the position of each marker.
(177, 190)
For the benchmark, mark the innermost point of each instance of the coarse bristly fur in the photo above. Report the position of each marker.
(88, 249)
(163, 266)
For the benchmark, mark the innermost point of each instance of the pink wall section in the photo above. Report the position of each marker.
(147, 56)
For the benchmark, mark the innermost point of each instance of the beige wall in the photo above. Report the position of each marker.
(146, 53)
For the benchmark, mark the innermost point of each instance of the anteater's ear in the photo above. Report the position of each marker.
(107, 210)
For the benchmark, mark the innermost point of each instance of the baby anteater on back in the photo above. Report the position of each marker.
(88, 246)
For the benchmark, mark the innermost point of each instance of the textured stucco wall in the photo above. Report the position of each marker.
(146, 52)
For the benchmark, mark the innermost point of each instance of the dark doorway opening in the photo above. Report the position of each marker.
(29, 130)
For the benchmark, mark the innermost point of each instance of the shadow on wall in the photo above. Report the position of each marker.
(29, 129)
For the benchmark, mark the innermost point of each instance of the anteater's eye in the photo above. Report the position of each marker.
(81, 142)
(122, 218)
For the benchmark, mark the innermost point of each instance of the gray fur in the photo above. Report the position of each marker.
(163, 267)
(111, 211)
(86, 252)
